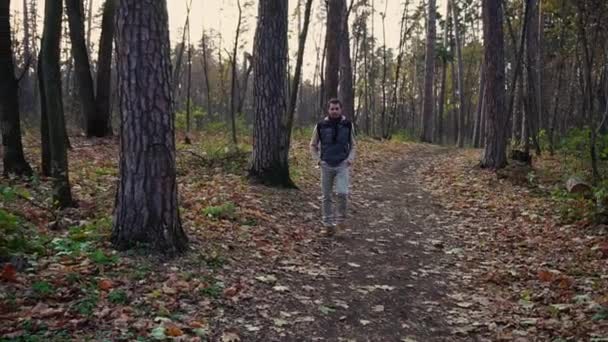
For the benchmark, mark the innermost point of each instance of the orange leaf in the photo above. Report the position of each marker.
(105, 284)
(9, 273)
(231, 291)
(545, 276)
(173, 331)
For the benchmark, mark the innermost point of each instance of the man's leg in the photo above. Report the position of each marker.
(342, 184)
(327, 181)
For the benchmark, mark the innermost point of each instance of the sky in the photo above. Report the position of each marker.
(222, 16)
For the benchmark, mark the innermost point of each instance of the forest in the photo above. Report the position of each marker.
(157, 182)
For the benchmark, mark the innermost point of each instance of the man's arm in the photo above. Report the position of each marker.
(314, 145)
(353, 146)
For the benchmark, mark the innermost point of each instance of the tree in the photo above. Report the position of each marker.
(461, 97)
(293, 98)
(346, 94)
(270, 136)
(429, 76)
(494, 156)
(104, 69)
(332, 44)
(53, 103)
(146, 209)
(13, 159)
(86, 91)
(233, 82)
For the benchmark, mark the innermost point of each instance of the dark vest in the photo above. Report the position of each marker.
(335, 140)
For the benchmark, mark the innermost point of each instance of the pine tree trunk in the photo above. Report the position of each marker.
(494, 156)
(429, 76)
(346, 70)
(51, 78)
(461, 108)
(146, 210)
(104, 68)
(444, 71)
(86, 90)
(532, 107)
(13, 158)
(270, 136)
(332, 44)
(45, 144)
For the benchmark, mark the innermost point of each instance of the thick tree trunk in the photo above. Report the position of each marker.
(13, 158)
(146, 209)
(346, 70)
(51, 78)
(461, 97)
(332, 44)
(270, 136)
(104, 69)
(429, 76)
(86, 91)
(494, 155)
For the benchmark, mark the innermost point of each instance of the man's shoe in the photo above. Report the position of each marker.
(330, 231)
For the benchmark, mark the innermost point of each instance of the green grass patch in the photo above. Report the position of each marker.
(226, 211)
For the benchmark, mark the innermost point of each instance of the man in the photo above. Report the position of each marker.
(333, 147)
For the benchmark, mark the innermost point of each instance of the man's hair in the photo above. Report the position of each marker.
(334, 101)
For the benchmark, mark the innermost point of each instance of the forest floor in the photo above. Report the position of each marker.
(436, 249)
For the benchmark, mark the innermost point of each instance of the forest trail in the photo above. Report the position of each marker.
(382, 279)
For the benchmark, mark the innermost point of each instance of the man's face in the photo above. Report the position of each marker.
(335, 110)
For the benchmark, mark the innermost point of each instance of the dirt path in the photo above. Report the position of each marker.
(383, 279)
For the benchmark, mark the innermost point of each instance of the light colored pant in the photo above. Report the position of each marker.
(338, 175)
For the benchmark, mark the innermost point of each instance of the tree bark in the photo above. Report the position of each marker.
(494, 156)
(233, 82)
(532, 107)
(478, 117)
(13, 158)
(104, 69)
(270, 136)
(444, 71)
(206, 70)
(332, 44)
(94, 126)
(429, 76)
(51, 78)
(146, 210)
(45, 144)
(345, 92)
(460, 74)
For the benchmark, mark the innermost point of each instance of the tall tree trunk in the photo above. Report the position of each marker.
(233, 83)
(51, 78)
(94, 126)
(429, 76)
(187, 140)
(146, 210)
(206, 70)
(293, 98)
(13, 158)
(444, 71)
(461, 97)
(248, 66)
(270, 136)
(346, 70)
(104, 68)
(494, 155)
(533, 102)
(45, 143)
(89, 42)
(332, 44)
(477, 128)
